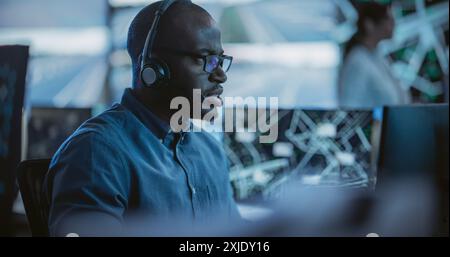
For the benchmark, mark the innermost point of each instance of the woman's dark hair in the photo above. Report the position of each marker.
(372, 11)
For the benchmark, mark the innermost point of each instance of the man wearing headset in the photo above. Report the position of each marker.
(128, 162)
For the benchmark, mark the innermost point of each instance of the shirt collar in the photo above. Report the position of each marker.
(159, 127)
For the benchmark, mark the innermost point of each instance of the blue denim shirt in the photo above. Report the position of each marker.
(126, 160)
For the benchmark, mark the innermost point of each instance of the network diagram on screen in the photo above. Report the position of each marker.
(314, 148)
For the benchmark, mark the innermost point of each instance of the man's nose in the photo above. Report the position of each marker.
(218, 75)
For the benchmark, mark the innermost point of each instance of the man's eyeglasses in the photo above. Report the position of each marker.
(210, 62)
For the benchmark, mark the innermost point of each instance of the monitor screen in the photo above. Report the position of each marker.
(49, 127)
(414, 142)
(414, 148)
(13, 67)
(325, 148)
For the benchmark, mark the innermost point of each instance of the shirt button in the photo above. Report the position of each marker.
(193, 189)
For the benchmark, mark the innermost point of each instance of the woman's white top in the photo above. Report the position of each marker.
(366, 81)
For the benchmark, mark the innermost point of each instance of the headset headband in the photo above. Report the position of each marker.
(147, 52)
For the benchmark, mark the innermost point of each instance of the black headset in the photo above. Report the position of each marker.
(154, 70)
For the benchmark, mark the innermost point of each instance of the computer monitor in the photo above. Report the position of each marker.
(13, 67)
(49, 127)
(320, 148)
(414, 142)
(414, 147)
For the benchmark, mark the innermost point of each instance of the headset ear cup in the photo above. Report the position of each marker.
(148, 75)
(155, 72)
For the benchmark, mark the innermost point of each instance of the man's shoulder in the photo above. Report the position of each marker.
(114, 117)
(103, 127)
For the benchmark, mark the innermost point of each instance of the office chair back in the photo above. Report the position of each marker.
(30, 175)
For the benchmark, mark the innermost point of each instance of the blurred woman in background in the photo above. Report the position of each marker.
(365, 79)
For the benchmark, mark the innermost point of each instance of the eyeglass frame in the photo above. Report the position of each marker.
(221, 57)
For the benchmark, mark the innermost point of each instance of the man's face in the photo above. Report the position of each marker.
(197, 39)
